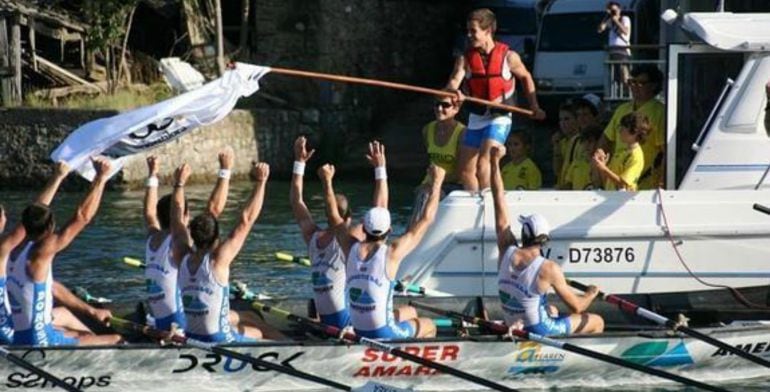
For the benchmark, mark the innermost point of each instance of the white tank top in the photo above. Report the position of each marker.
(370, 292)
(519, 294)
(206, 301)
(161, 275)
(328, 275)
(31, 303)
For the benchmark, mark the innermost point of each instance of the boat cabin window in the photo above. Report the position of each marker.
(701, 78)
(573, 32)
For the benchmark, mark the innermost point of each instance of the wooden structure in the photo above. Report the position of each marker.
(16, 15)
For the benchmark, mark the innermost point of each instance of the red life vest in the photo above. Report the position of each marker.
(488, 83)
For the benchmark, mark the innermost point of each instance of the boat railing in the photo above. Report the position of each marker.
(615, 87)
(710, 120)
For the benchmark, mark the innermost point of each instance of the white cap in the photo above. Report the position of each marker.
(377, 221)
(533, 226)
(594, 100)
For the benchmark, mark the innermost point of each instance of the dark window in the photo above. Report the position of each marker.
(516, 21)
(572, 33)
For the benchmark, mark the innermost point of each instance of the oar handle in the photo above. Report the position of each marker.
(134, 262)
(761, 208)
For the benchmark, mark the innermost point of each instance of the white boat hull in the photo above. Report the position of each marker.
(518, 365)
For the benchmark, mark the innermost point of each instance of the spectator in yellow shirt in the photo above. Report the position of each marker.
(442, 140)
(520, 173)
(646, 83)
(568, 128)
(580, 174)
(626, 164)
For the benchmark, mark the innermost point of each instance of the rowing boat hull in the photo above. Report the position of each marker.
(519, 365)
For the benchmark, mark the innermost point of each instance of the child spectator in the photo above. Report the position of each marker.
(568, 127)
(520, 173)
(580, 175)
(625, 167)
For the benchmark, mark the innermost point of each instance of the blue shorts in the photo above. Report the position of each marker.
(550, 326)
(340, 319)
(45, 338)
(221, 337)
(164, 323)
(495, 130)
(401, 330)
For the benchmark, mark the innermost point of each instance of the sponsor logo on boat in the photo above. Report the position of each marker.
(213, 363)
(381, 364)
(530, 359)
(761, 348)
(658, 354)
(31, 380)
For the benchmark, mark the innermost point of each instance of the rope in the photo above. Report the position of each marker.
(735, 293)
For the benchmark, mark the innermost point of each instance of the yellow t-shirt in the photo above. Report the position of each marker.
(444, 156)
(656, 140)
(579, 175)
(628, 164)
(571, 150)
(524, 176)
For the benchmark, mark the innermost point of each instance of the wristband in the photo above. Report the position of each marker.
(179, 185)
(380, 173)
(224, 174)
(152, 182)
(299, 168)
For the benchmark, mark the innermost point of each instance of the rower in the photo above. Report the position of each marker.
(525, 276)
(327, 262)
(372, 265)
(30, 275)
(204, 263)
(164, 299)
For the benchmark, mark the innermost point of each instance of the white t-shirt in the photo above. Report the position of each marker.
(620, 39)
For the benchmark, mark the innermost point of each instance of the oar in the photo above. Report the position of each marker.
(400, 286)
(81, 292)
(18, 361)
(761, 208)
(502, 329)
(333, 331)
(158, 334)
(633, 308)
(134, 262)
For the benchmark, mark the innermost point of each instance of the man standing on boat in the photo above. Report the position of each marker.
(326, 257)
(30, 269)
(204, 263)
(488, 69)
(372, 265)
(162, 273)
(525, 276)
(646, 83)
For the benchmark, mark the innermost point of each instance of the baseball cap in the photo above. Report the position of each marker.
(534, 229)
(377, 221)
(594, 100)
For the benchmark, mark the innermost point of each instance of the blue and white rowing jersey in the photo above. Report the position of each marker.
(6, 320)
(370, 291)
(31, 302)
(206, 303)
(519, 294)
(328, 276)
(163, 294)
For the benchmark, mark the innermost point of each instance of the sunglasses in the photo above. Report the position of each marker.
(443, 105)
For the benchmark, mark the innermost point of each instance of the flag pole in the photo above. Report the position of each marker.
(397, 86)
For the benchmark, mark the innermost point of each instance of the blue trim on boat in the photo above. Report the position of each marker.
(731, 168)
(623, 274)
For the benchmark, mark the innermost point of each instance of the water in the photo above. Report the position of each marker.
(94, 259)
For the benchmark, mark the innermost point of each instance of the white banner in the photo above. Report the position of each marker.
(144, 128)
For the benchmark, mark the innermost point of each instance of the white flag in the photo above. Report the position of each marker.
(142, 129)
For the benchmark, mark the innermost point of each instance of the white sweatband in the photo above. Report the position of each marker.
(380, 173)
(299, 168)
(224, 173)
(152, 182)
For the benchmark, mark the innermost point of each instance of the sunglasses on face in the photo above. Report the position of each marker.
(442, 105)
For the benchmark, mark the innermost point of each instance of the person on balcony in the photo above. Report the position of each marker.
(619, 26)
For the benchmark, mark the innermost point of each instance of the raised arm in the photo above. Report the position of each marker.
(505, 236)
(376, 158)
(404, 244)
(519, 70)
(226, 252)
(218, 197)
(336, 221)
(301, 213)
(180, 236)
(87, 208)
(60, 172)
(151, 196)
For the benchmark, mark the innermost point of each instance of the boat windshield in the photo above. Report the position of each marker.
(571, 33)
